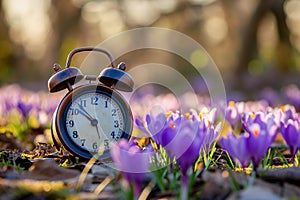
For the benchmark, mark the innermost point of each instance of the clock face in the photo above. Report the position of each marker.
(93, 118)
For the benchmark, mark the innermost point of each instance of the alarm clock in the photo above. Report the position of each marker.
(92, 115)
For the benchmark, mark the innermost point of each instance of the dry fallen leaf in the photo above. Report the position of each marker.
(47, 169)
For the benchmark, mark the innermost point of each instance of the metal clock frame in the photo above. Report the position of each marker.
(59, 131)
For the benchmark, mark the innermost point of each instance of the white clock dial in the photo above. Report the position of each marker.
(93, 121)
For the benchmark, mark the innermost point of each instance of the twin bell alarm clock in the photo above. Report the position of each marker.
(92, 115)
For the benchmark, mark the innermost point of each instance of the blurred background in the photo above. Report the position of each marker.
(255, 44)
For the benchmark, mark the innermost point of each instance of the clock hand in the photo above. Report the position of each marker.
(98, 131)
(94, 122)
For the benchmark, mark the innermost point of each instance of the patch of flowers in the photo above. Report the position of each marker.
(24, 113)
(172, 149)
(184, 144)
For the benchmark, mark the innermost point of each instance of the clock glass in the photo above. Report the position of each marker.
(92, 119)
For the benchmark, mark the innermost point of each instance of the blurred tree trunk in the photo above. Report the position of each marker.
(11, 54)
(66, 30)
(248, 47)
(284, 47)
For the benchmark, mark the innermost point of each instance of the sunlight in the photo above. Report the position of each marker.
(291, 9)
(140, 12)
(29, 24)
(104, 14)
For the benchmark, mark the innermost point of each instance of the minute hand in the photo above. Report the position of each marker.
(85, 113)
(93, 121)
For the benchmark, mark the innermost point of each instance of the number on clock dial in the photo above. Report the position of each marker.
(100, 107)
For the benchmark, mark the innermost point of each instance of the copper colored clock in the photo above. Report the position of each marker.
(91, 115)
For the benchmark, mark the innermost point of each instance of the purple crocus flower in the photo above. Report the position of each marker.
(262, 130)
(291, 134)
(253, 106)
(182, 136)
(266, 121)
(209, 115)
(44, 108)
(24, 108)
(232, 114)
(292, 94)
(271, 96)
(211, 134)
(206, 120)
(132, 162)
(10, 96)
(156, 124)
(252, 145)
(172, 128)
(288, 112)
(188, 136)
(259, 140)
(237, 148)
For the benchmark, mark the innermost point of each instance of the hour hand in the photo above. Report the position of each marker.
(98, 131)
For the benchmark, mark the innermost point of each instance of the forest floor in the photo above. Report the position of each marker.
(44, 173)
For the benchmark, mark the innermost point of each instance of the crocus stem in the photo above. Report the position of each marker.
(184, 187)
(296, 160)
(137, 190)
(254, 169)
(293, 155)
(293, 160)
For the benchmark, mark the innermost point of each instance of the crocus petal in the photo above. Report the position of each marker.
(190, 155)
(291, 135)
(141, 126)
(237, 148)
(257, 146)
(232, 116)
(156, 125)
(129, 158)
(212, 115)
